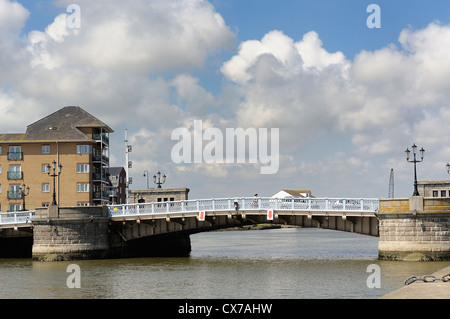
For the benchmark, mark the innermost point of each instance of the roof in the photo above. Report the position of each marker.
(294, 193)
(115, 170)
(62, 125)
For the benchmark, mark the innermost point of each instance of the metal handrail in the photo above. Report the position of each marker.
(247, 204)
(361, 205)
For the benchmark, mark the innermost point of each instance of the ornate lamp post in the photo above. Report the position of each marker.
(159, 182)
(448, 168)
(422, 151)
(54, 176)
(24, 190)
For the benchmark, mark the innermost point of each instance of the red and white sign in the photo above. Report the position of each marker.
(269, 214)
(201, 216)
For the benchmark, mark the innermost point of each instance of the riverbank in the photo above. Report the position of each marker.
(419, 289)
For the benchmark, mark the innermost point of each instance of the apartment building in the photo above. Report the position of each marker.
(71, 144)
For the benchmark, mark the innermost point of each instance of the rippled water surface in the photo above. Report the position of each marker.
(275, 263)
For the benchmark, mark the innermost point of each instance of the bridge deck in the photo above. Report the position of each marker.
(319, 206)
(300, 206)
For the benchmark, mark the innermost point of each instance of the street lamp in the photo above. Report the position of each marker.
(408, 152)
(448, 168)
(159, 179)
(146, 175)
(54, 176)
(24, 190)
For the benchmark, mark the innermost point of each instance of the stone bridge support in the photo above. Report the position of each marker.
(414, 229)
(70, 233)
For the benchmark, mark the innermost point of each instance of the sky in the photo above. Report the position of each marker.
(346, 99)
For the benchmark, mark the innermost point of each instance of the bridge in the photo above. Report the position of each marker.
(414, 228)
(346, 214)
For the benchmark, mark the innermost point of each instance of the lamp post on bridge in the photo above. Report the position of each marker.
(408, 152)
(159, 182)
(448, 168)
(25, 191)
(54, 175)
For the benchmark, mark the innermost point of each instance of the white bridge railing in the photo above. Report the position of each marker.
(368, 205)
(363, 205)
(22, 217)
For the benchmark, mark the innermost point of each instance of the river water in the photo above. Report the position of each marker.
(282, 263)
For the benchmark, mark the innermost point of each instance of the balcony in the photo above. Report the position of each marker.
(100, 158)
(96, 195)
(99, 177)
(15, 156)
(14, 195)
(101, 137)
(15, 175)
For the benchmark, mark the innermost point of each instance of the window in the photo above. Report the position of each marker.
(15, 172)
(45, 168)
(435, 193)
(82, 168)
(45, 149)
(14, 192)
(45, 188)
(15, 149)
(443, 193)
(0, 167)
(84, 149)
(45, 204)
(0, 150)
(82, 187)
(15, 153)
(0, 188)
(82, 204)
(14, 207)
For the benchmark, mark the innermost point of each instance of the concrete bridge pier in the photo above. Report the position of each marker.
(414, 229)
(74, 233)
(70, 233)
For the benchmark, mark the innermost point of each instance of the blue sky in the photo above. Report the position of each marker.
(347, 99)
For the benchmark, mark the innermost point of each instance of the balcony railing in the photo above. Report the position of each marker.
(99, 177)
(14, 195)
(15, 175)
(97, 195)
(101, 137)
(100, 158)
(15, 156)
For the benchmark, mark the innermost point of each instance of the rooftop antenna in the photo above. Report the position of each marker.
(391, 184)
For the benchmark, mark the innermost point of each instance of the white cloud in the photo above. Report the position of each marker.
(381, 102)
(339, 120)
(145, 37)
(12, 16)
